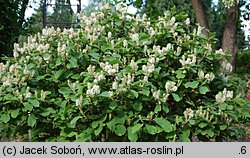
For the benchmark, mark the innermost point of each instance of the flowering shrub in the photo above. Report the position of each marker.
(119, 78)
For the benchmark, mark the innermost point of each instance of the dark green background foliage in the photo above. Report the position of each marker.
(9, 26)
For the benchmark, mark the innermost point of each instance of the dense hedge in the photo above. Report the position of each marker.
(119, 78)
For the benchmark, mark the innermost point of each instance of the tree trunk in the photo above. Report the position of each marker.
(200, 15)
(229, 41)
(23, 9)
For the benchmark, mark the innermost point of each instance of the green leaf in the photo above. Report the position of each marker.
(164, 124)
(75, 76)
(136, 128)
(210, 133)
(157, 108)
(240, 101)
(73, 62)
(96, 56)
(144, 91)
(132, 136)
(106, 47)
(105, 94)
(192, 122)
(223, 127)
(98, 130)
(31, 120)
(34, 102)
(111, 125)
(203, 89)
(64, 90)
(137, 106)
(95, 124)
(58, 60)
(113, 105)
(71, 134)
(230, 107)
(27, 106)
(15, 113)
(151, 129)
(203, 124)
(185, 136)
(135, 93)
(5, 118)
(190, 103)
(234, 116)
(58, 74)
(165, 108)
(118, 120)
(120, 130)
(209, 57)
(193, 84)
(72, 123)
(179, 74)
(223, 106)
(48, 111)
(176, 97)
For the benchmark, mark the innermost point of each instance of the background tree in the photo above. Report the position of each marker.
(11, 23)
(93, 6)
(62, 14)
(35, 22)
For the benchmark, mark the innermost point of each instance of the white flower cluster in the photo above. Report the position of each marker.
(26, 95)
(93, 90)
(92, 29)
(14, 74)
(122, 10)
(79, 101)
(103, 7)
(43, 95)
(133, 65)
(156, 94)
(227, 67)
(61, 48)
(91, 69)
(221, 97)
(160, 97)
(128, 79)
(220, 52)
(229, 3)
(135, 38)
(209, 49)
(204, 113)
(187, 21)
(150, 67)
(209, 76)
(199, 30)
(200, 112)
(99, 76)
(170, 87)
(48, 32)
(110, 69)
(188, 114)
(160, 52)
(73, 86)
(125, 43)
(115, 85)
(191, 59)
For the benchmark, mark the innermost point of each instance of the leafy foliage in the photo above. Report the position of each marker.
(119, 78)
